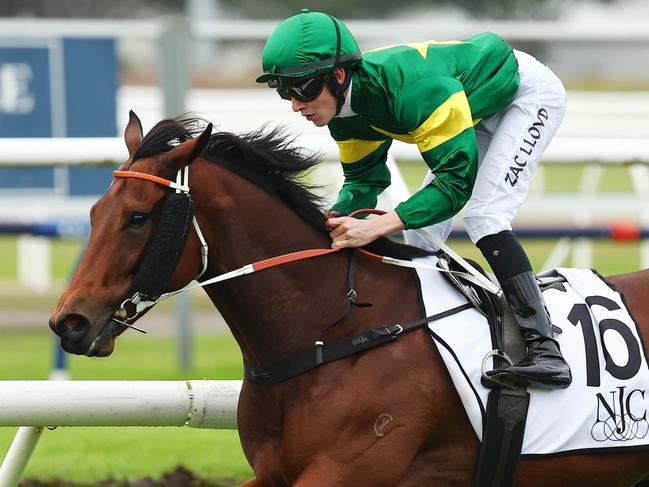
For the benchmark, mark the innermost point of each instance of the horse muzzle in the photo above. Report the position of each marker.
(74, 330)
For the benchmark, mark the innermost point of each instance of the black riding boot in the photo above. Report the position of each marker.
(544, 366)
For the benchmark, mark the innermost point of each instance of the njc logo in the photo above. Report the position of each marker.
(624, 418)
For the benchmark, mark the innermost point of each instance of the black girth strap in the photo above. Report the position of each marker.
(506, 414)
(325, 353)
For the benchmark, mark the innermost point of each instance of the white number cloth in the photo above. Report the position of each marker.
(607, 402)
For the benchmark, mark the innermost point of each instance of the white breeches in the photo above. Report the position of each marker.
(510, 145)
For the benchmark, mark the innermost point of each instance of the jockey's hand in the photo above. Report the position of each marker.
(347, 231)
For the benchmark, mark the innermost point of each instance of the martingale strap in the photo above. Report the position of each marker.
(506, 411)
(325, 353)
(350, 299)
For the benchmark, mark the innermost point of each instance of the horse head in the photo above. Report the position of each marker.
(124, 222)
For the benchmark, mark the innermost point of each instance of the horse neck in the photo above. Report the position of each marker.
(276, 311)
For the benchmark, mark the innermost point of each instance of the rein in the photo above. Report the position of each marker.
(132, 307)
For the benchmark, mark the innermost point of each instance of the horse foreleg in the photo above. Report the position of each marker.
(263, 482)
(320, 476)
(331, 473)
(254, 482)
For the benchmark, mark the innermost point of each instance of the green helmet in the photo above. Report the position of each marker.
(306, 44)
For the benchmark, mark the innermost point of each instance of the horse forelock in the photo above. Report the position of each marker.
(167, 133)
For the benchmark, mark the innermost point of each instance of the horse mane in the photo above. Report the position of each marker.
(268, 158)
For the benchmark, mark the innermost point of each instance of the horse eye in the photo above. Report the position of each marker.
(137, 219)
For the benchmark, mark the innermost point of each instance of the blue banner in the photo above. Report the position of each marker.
(58, 88)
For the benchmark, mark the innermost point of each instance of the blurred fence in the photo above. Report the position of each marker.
(578, 210)
(32, 404)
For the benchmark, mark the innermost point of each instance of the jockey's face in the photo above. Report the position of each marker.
(322, 109)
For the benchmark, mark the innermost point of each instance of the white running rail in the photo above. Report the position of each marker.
(37, 404)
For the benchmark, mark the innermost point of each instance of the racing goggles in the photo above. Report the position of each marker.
(306, 91)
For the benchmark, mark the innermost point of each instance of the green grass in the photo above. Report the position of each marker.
(91, 454)
(566, 178)
(65, 252)
(88, 455)
(593, 83)
(28, 355)
(9, 256)
(608, 257)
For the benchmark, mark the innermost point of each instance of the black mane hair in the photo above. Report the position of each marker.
(167, 133)
(268, 158)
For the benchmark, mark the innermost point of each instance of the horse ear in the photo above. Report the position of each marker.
(133, 133)
(183, 154)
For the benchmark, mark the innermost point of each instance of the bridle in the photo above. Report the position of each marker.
(181, 185)
(134, 306)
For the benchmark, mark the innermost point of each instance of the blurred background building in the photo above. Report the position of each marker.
(591, 50)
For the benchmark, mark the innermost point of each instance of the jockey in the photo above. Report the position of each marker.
(481, 115)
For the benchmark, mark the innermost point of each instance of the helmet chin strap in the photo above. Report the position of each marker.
(339, 89)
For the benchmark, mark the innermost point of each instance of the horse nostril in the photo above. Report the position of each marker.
(72, 327)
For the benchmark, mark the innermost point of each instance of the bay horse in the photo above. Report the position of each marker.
(323, 427)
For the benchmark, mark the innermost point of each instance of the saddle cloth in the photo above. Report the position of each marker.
(605, 406)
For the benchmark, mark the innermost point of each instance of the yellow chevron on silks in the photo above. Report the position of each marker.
(422, 47)
(353, 150)
(450, 119)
